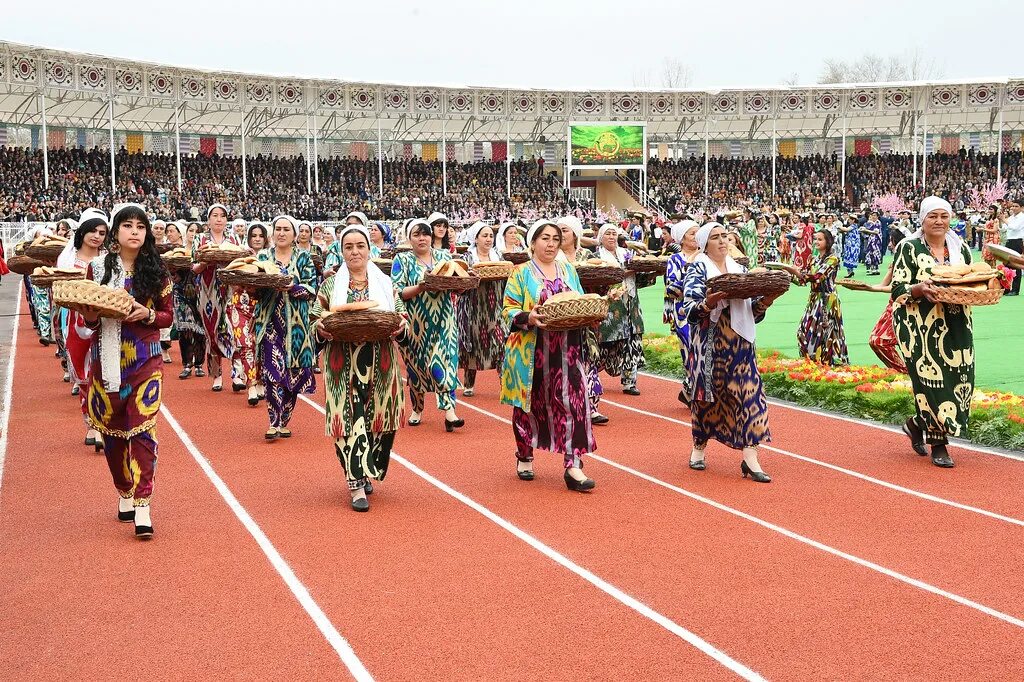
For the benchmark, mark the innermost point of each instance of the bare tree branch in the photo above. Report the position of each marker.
(675, 74)
(871, 68)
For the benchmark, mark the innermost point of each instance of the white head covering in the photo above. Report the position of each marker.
(471, 235)
(238, 221)
(680, 229)
(537, 225)
(953, 241)
(69, 255)
(616, 257)
(358, 215)
(435, 217)
(286, 217)
(220, 206)
(741, 311)
(118, 208)
(574, 224)
(411, 227)
(499, 239)
(381, 289)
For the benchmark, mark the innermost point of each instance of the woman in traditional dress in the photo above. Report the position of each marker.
(214, 296)
(935, 339)
(238, 229)
(319, 240)
(364, 384)
(240, 314)
(65, 228)
(727, 399)
(685, 233)
(543, 376)
(188, 322)
(748, 237)
(332, 257)
(304, 242)
(281, 329)
(767, 240)
(995, 224)
(785, 243)
(86, 245)
(507, 239)
(126, 367)
(431, 345)
(621, 334)
(39, 297)
(872, 229)
(440, 230)
(882, 339)
(820, 336)
(481, 332)
(380, 238)
(803, 233)
(851, 246)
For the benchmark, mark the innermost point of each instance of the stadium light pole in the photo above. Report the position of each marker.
(46, 158)
(113, 172)
(316, 156)
(380, 161)
(444, 159)
(913, 146)
(842, 172)
(309, 173)
(707, 148)
(775, 151)
(245, 183)
(508, 158)
(924, 153)
(999, 146)
(177, 145)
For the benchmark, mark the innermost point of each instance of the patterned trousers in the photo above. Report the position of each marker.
(523, 430)
(132, 464)
(594, 388)
(280, 404)
(193, 348)
(364, 455)
(445, 400)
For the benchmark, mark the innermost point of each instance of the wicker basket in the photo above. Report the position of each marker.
(254, 280)
(385, 264)
(361, 326)
(220, 256)
(23, 265)
(387, 254)
(493, 271)
(648, 264)
(177, 262)
(853, 284)
(517, 257)
(46, 281)
(77, 294)
(403, 248)
(47, 254)
(751, 284)
(597, 276)
(965, 296)
(164, 248)
(461, 248)
(742, 260)
(456, 284)
(574, 313)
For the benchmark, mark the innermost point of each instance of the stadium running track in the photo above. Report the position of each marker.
(861, 560)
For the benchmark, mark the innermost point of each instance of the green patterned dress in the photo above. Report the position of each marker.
(748, 237)
(431, 343)
(937, 343)
(364, 396)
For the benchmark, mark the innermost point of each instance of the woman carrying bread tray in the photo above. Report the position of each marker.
(188, 321)
(126, 366)
(935, 339)
(214, 296)
(543, 375)
(684, 232)
(281, 328)
(431, 344)
(363, 380)
(39, 297)
(727, 400)
(481, 332)
(621, 334)
(241, 308)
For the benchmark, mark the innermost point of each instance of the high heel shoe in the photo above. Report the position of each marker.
(450, 426)
(125, 510)
(757, 476)
(524, 474)
(98, 445)
(578, 486)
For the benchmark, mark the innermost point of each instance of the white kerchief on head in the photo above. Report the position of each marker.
(680, 229)
(220, 206)
(381, 288)
(953, 242)
(290, 220)
(358, 215)
(238, 222)
(436, 216)
(615, 257)
(118, 208)
(535, 228)
(741, 310)
(473, 234)
(499, 240)
(574, 224)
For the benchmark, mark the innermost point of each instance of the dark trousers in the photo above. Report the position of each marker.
(1018, 246)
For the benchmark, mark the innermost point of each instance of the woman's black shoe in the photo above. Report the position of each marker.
(75, 390)
(200, 372)
(361, 504)
(237, 387)
(682, 398)
(699, 465)
(253, 402)
(525, 475)
(144, 532)
(45, 342)
(451, 426)
(757, 476)
(90, 441)
(125, 516)
(913, 432)
(185, 373)
(368, 488)
(632, 390)
(940, 457)
(98, 445)
(578, 486)
(216, 389)
(598, 418)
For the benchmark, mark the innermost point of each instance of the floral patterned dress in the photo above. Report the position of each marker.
(820, 336)
(213, 303)
(481, 331)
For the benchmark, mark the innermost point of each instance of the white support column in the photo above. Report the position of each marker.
(177, 144)
(508, 158)
(913, 147)
(444, 158)
(842, 172)
(380, 162)
(999, 147)
(707, 150)
(309, 170)
(316, 156)
(113, 172)
(924, 155)
(245, 182)
(775, 151)
(46, 157)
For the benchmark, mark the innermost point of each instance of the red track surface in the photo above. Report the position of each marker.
(424, 586)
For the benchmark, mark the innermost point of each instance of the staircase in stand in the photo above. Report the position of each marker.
(632, 187)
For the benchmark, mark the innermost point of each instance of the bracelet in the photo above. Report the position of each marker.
(152, 316)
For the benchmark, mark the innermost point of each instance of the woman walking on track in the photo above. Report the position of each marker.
(481, 333)
(936, 339)
(803, 233)
(332, 257)
(543, 376)
(621, 334)
(240, 314)
(363, 380)
(214, 296)
(281, 328)
(188, 322)
(726, 396)
(431, 345)
(820, 336)
(685, 233)
(126, 364)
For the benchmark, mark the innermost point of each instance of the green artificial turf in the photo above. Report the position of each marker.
(998, 329)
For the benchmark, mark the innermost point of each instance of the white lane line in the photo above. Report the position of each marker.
(320, 619)
(606, 587)
(849, 472)
(962, 444)
(8, 390)
(914, 582)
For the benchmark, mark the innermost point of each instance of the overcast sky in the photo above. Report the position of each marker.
(546, 44)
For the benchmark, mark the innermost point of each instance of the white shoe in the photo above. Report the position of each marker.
(468, 392)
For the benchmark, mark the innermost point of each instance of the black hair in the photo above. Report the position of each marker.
(150, 272)
(262, 228)
(829, 240)
(85, 228)
(420, 228)
(445, 241)
(536, 235)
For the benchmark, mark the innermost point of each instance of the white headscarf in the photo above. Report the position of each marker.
(435, 217)
(574, 224)
(358, 215)
(69, 255)
(472, 234)
(953, 241)
(617, 257)
(238, 221)
(499, 239)
(536, 227)
(381, 289)
(741, 311)
(680, 229)
(295, 227)
(220, 206)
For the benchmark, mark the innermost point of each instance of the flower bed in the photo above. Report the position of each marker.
(867, 392)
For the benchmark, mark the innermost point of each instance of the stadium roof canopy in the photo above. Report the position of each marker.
(78, 89)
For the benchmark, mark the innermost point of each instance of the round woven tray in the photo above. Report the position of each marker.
(258, 280)
(403, 248)
(973, 278)
(385, 264)
(742, 260)
(23, 265)
(853, 284)
(46, 281)
(750, 284)
(964, 296)
(575, 313)
(494, 271)
(47, 254)
(595, 276)
(648, 264)
(77, 294)
(361, 326)
(461, 248)
(517, 257)
(177, 262)
(458, 284)
(164, 248)
(220, 256)
(387, 254)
